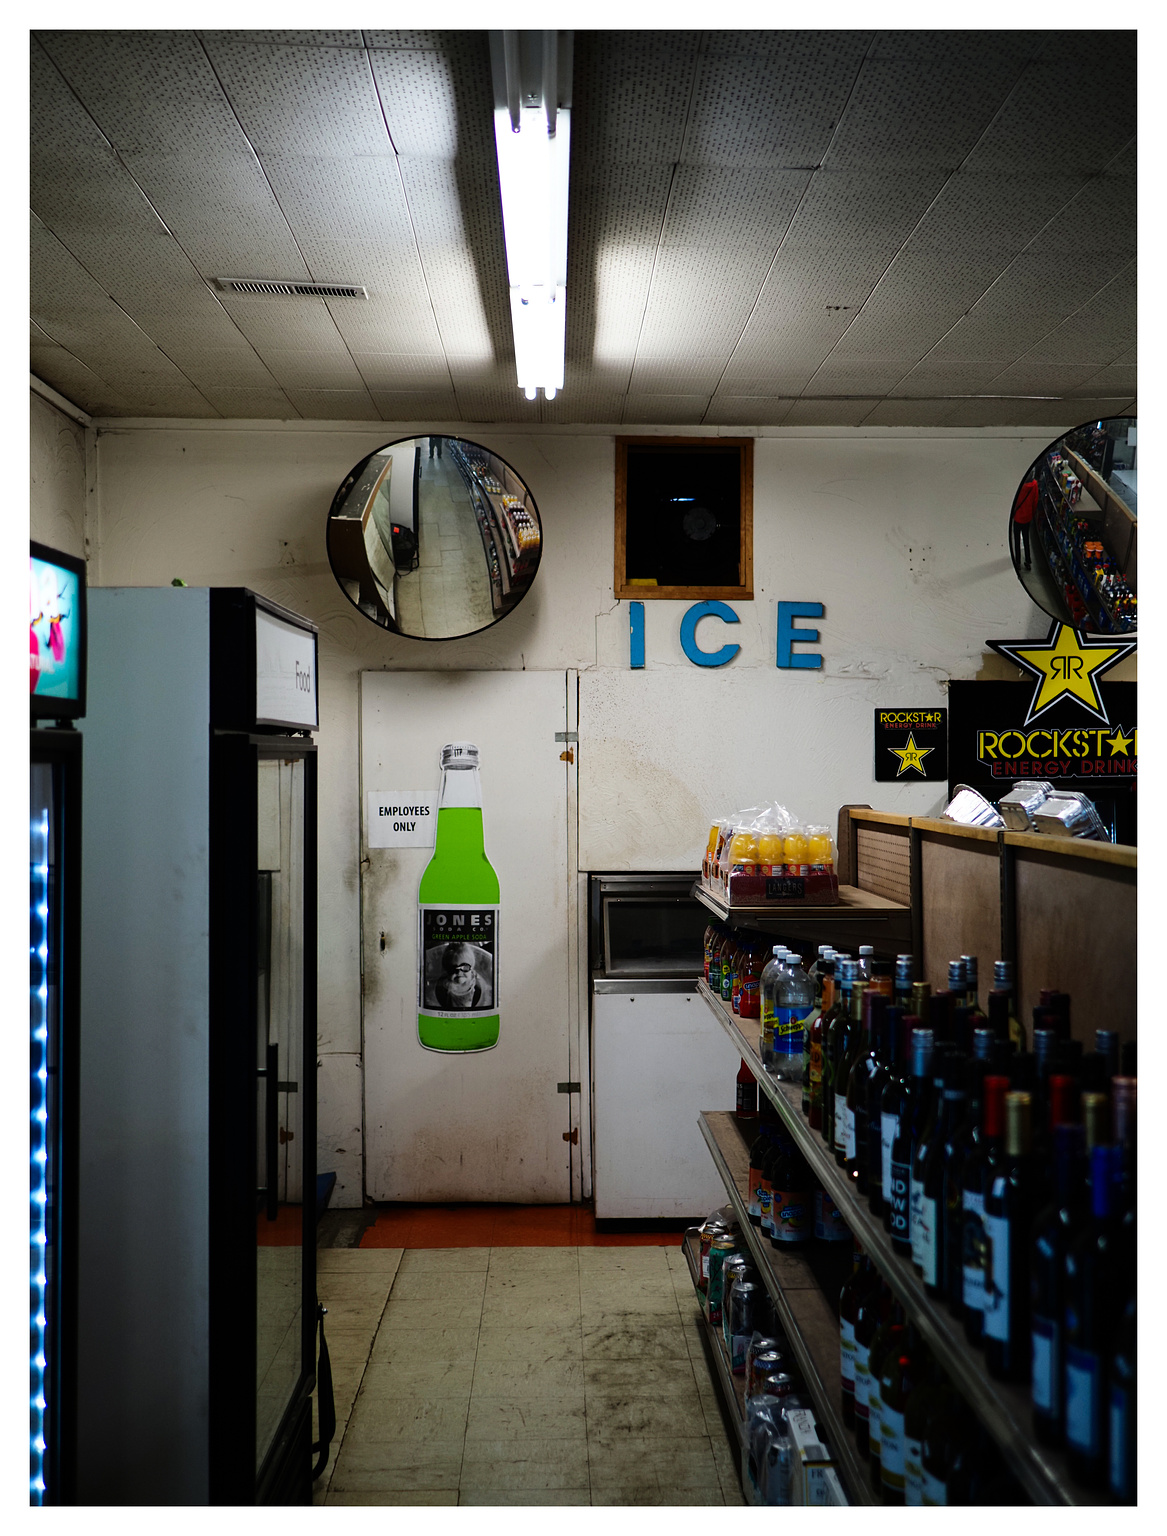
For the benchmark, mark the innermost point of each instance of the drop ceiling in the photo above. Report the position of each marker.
(765, 228)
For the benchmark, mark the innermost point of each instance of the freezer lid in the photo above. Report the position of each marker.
(630, 986)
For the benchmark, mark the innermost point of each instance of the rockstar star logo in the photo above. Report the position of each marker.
(910, 756)
(1066, 665)
(1119, 743)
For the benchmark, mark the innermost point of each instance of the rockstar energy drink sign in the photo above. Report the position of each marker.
(1067, 723)
(1049, 753)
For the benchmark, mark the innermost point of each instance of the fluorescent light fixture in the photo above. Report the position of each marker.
(532, 133)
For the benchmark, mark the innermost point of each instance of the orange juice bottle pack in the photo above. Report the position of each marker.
(766, 856)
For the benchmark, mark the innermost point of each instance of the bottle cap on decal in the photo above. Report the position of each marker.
(460, 754)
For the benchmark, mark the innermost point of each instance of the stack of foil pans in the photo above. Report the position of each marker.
(971, 809)
(1070, 814)
(1021, 805)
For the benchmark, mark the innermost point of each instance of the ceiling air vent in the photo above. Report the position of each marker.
(269, 287)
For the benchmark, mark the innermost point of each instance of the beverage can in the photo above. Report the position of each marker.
(709, 1230)
(766, 1363)
(719, 1250)
(743, 1310)
(736, 1268)
(761, 1345)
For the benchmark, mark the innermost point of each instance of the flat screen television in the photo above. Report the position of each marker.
(56, 634)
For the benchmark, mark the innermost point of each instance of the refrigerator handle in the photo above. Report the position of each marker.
(271, 1130)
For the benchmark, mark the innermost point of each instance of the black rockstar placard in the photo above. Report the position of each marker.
(911, 745)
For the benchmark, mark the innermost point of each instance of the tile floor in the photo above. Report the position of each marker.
(520, 1375)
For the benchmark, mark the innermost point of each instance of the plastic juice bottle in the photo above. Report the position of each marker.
(740, 961)
(771, 860)
(750, 998)
(819, 854)
(710, 853)
(768, 987)
(725, 975)
(796, 852)
(709, 944)
(458, 915)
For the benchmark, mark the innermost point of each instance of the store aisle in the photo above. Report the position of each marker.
(520, 1375)
(449, 593)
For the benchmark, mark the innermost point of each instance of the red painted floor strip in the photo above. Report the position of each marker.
(501, 1226)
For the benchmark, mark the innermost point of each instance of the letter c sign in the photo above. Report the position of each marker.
(689, 625)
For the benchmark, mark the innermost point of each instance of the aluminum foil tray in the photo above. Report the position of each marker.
(1071, 814)
(971, 809)
(1020, 806)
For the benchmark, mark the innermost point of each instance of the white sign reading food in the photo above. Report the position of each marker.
(285, 672)
(402, 819)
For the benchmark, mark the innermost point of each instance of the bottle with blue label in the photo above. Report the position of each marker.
(793, 1005)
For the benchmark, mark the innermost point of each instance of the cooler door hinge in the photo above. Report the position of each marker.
(572, 1136)
(567, 735)
(567, 1088)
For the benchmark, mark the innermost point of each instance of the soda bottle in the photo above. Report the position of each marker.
(793, 1001)
(458, 914)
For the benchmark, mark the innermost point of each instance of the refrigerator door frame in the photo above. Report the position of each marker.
(61, 748)
(234, 1478)
(233, 661)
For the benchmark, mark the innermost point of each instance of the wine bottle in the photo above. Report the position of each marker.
(1123, 1426)
(888, 1338)
(1095, 1294)
(922, 1407)
(814, 1038)
(950, 1420)
(1052, 1229)
(932, 1227)
(891, 1103)
(861, 1280)
(908, 1127)
(902, 984)
(979, 1170)
(458, 918)
(1008, 1213)
(851, 1044)
(747, 1094)
(897, 1379)
(836, 1035)
(863, 1063)
(1003, 982)
(872, 1311)
(957, 1150)
(933, 1125)
(886, 1064)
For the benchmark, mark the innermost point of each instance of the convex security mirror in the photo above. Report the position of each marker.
(434, 537)
(1073, 527)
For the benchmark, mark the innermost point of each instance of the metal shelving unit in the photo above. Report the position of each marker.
(1004, 1409)
(807, 1317)
(859, 916)
(733, 1388)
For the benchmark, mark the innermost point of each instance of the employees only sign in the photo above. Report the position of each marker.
(405, 818)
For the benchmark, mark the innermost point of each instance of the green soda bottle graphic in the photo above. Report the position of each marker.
(457, 951)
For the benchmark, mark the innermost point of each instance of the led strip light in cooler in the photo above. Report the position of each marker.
(39, 1144)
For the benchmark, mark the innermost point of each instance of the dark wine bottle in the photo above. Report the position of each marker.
(835, 1028)
(1052, 1228)
(897, 1379)
(929, 1242)
(888, 1338)
(1008, 1214)
(887, 1058)
(891, 1103)
(863, 1277)
(862, 1070)
(979, 1170)
(1121, 1478)
(912, 1108)
(1095, 1293)
(873, 1310)
(902, 982)
(920, 1411)
(851, 1043)
(815, 1044)
(964, 1141)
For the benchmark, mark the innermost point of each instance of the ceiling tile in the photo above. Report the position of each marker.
(771, 98)
(828, 413)
(630, 95)
(661, 409)
(416, 405)
(333, 404)
(908, 413)
(322, 39)
(747, 410)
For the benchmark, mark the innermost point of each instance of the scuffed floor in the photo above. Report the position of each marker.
(520, 1375)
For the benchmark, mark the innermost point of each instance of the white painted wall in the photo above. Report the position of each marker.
(57, 478)
(900, 533)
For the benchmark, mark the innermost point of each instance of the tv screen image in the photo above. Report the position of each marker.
(53, 637)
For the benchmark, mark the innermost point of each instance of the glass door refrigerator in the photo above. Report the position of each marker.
(198, 1111)
(56, 701)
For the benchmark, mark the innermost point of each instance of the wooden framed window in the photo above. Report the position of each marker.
(685, 517)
